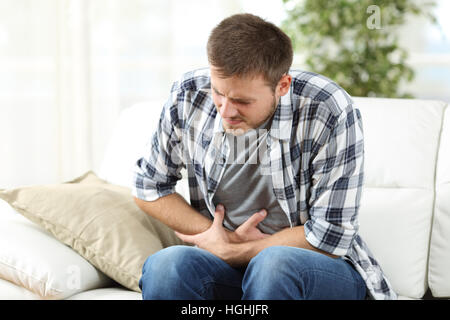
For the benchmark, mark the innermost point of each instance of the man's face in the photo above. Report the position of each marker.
(243, 103)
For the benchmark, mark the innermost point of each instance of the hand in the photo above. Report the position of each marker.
(248, 231)
(215, 239)
(223, 243)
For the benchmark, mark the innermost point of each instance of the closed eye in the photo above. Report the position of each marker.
(217, 92)
(242, 102)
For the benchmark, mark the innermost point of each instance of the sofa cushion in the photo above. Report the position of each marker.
(395, 223)
(439, 263)
(97, 219)
(132, 133)
(401, 138)
(32, 259)
(401, 147)
(129, 140)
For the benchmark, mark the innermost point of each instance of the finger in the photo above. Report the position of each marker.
(186, 237)
(255, 219)
(219, 215)
(265, 235)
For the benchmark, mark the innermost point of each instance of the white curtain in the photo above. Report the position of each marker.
(68, 67)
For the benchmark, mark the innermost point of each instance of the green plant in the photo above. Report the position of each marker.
(354, 42)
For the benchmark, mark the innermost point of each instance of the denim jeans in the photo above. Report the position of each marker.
(276, 273)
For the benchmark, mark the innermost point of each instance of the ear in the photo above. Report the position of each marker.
(283, 85)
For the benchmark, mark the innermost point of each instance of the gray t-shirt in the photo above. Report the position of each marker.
(246, 185)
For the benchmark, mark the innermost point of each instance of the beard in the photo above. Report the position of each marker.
(270, 114)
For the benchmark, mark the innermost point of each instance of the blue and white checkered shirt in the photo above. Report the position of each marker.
(316, 151)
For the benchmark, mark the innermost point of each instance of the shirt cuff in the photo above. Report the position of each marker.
(151, 194)
(329, 238)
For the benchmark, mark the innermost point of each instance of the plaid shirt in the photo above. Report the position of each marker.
(316, 151)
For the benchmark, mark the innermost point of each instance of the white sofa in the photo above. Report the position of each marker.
(405, 209)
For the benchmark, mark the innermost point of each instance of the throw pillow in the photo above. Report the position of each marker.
(98, 220)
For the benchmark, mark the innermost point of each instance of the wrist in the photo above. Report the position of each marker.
(242, 252)
(237, 254)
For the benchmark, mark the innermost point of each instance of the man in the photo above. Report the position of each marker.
(276, 218)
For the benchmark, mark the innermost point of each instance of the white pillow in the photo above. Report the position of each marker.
(11, 291)
(32, 258)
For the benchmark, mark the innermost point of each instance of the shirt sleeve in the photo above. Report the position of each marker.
(336, 187)
(156, 173)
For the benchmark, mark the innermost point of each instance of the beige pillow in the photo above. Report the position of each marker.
(97, 219)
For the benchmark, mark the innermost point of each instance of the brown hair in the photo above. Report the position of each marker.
(246, 45)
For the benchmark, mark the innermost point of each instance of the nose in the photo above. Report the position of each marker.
(227, 110)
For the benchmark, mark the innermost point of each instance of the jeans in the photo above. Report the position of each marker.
(276, 273)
